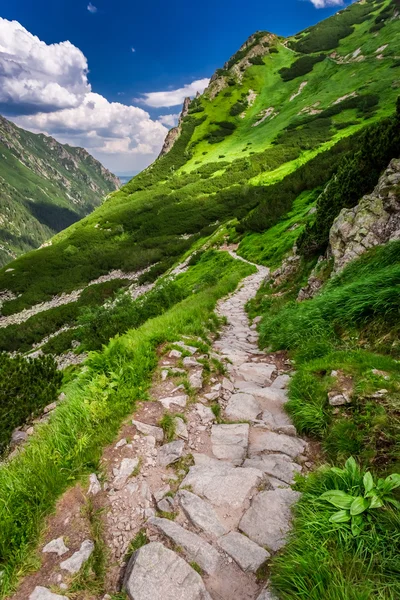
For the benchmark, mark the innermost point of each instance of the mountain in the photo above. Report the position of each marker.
(278, 195)
(45, 187)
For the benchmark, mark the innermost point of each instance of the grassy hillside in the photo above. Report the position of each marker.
(44, 188)
(269, 132)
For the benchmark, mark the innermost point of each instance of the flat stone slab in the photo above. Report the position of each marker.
(256, 372)
(220, 483)
(265, 395)
(242, 407)
(42, 593)
(268, 520)
(196, 379)
(248, 555)
(180, 400)
(56, 546)
(278, 466)
(127, 467)
(194, 547)
(200, 513)
(230, 442)
(74, 564)
(268, 441)
(170, 453)
(157, 573)
(146, 429)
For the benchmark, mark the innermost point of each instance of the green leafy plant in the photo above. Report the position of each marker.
(356, 510)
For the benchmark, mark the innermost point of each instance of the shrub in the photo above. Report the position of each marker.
(256, 60)
(357, 175)
(301, 66)
(26, 387)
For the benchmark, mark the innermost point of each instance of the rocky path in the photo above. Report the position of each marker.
(211, 506)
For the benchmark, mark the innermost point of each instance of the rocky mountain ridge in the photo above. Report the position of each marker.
(44, 187)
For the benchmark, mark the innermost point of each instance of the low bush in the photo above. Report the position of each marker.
(26, 387)
(301, 66)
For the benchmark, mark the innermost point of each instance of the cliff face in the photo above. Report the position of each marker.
(175, 132)
(44, 187)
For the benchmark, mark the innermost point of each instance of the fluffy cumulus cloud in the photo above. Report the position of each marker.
(174, 97)
(91, 8)
(326, 3)
(44, 88)
(35, 76)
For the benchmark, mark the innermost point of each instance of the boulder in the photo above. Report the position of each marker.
(194, 547)
(56, 546)
(248, 555)
(181, 429)
(74, 564)
(122, 474)
(157, 573)
(205, 413)
(230, 442)
(94, 485)
(178, 400)
(146, 429)
(196, 379)
(268, 520)
(200, 513)
(170, 453)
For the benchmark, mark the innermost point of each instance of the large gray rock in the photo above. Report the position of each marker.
(194, 547)
(256, 372)
(146, 429)
(122, 474)
(56, 546)
(196, 379)
(268, 520)
(281, 382)
(181, 429)
(242, 407)
(220, 483)
(205, 413)
(374, 221)
(201, 513)
(177, 400)
(279, 422)
(170, 453)
(230, 442)
(279, 466)
(42, 593)
(268, 441)
(156, 573)
(94, 485)
(248, 555)
(74, 564)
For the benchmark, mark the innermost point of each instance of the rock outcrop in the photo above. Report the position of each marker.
(174, 133)
(373, 222)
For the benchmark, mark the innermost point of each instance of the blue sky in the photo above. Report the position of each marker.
(175, 44)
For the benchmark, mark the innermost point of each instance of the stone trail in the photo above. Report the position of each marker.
(212, 525)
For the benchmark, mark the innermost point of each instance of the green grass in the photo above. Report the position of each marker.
(71, 443)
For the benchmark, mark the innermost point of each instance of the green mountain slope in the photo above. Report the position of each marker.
(274, 124)
(44, 187)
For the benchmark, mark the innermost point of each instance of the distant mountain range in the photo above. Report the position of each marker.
(45, 186)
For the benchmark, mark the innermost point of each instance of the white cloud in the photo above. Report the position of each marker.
(133, 49)
(174, 97)
(106, 129)
(326, 3)
(169, 120)
(44, 88)
(91, 8)
(36, 76)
